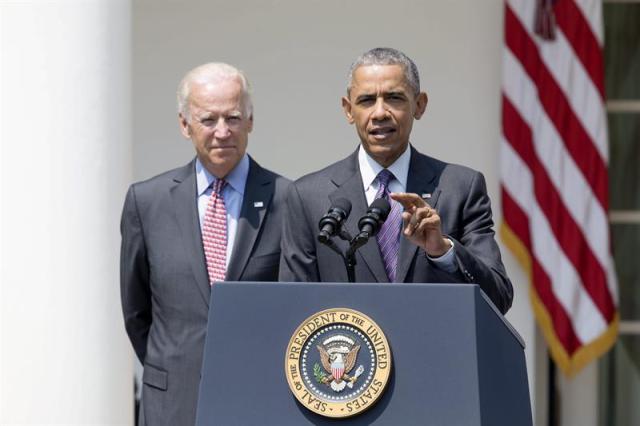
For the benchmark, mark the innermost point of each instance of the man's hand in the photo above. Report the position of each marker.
(421, 224)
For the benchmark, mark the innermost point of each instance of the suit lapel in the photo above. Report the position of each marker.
(421, 180)
(258, 193)
(186, 212)
(350, 187)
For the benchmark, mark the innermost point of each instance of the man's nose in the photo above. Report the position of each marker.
(379, 110)
(222, 129)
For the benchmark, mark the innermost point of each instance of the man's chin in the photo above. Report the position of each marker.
(384, 154)
(385, 158)
(221, 165)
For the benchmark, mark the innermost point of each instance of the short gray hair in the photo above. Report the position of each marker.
(387, 56)
(211, 72)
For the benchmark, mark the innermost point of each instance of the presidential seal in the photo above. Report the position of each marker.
(338, 362)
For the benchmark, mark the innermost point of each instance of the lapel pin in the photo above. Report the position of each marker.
(258, 204)
(426, 195)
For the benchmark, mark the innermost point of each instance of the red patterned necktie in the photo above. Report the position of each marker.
(214, 233)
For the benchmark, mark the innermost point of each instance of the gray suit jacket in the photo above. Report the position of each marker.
(164, 282)
(458, 194)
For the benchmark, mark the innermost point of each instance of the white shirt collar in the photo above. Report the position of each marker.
(369, 168)
(236, 179)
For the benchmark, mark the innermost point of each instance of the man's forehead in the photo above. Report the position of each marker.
(227, 87)
(387, 78)
(204, 110)
(208, 95)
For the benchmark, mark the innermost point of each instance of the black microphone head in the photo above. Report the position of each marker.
(377, 213)
(344, 205)
(331, 222)
(383, 207)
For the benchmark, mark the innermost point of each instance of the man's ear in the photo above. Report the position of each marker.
(184, 126)
(250, 122)
(421, 105)
(346, 106)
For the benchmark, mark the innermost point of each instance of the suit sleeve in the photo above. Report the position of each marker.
(477, 252)
(135, 289)
(298, 261)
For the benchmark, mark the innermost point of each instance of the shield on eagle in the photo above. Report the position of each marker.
(338, 355)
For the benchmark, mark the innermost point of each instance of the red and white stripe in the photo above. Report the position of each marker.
(554, 178)
(214, 234)
(337, 372)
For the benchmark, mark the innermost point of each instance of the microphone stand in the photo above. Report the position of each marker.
(349, 257)
(376, 214)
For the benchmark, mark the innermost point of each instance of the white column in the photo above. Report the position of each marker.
(65, 160)
(579, 397)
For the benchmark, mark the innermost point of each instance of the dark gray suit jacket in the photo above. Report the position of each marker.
(458, 194)
(164, 282)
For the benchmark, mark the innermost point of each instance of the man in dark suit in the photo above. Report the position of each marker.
(216, 218)
(446, 225)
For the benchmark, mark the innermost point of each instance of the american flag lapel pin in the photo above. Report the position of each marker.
(258, 204)
(426, 195)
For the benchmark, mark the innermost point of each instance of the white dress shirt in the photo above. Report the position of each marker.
(233, 194)
(369, 170)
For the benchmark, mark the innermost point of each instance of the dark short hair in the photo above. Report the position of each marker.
(387, 56)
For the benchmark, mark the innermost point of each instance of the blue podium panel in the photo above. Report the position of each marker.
(456, 361)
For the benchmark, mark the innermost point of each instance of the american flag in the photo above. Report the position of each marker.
(554, 178)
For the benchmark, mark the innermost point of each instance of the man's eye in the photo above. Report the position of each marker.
(208, 122)
(233, 119)
(366, 101)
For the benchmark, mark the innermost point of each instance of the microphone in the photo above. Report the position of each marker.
(331, 222)
(370, 223)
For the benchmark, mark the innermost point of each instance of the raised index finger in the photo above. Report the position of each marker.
(408, 200)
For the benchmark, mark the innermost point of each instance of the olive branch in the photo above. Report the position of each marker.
(318, 373)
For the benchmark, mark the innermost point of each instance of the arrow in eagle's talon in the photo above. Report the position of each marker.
(353, 379)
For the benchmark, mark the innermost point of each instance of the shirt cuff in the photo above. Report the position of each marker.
(447, 261)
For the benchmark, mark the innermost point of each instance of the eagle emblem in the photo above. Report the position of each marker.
(338, 363)
(338, 355)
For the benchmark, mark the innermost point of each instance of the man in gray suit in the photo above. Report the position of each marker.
(446, 225)
(216, 218)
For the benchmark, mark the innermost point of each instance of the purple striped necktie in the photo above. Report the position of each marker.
(389, 235)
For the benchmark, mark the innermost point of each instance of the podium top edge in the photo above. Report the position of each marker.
(304, 283)
(457, 286)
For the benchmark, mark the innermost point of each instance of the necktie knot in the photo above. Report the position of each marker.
(218, 186)
(384, 178)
